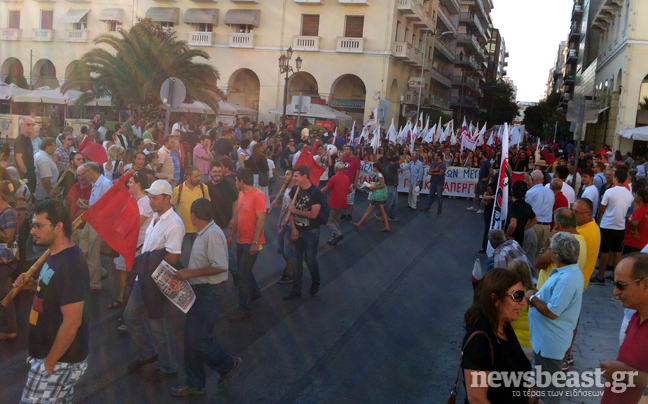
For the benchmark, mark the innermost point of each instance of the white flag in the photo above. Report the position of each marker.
(429, 137)
(391, 133)
(375, 142)
(437, 134)
(352, 133)
(500, 205)
(444, 135)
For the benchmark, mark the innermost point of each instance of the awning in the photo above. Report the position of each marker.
(201, 15)
(164, 14)
(243, 17)
(112, 14)
(73, 16)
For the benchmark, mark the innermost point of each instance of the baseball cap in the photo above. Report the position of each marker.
(160, 187)
(148, 141)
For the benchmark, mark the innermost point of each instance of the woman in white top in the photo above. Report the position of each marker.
(137, 184)
(114, 168)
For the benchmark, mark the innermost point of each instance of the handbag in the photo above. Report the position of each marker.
(264, 179)
(380, 195)
(453, 394)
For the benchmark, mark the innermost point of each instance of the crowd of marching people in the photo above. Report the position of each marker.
(203, 191)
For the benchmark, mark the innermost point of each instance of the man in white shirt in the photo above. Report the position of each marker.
(207, 274)
(541, 200)
(572, 172)
(166, 231)
(179, 126)
(589, 189)
(614, 206)
(46, 171)
(90, 241)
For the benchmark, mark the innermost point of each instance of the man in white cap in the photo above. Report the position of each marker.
(166, 231)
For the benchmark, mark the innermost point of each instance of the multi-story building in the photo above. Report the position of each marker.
(471, 60)
(355, 53)
(555, 82)
(502, 63)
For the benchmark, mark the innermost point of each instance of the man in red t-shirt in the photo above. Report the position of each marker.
(352, 171)
(560, 200)
(631, 288)
(249, 225)
(340, 187)
(80, 191)
(636, 232)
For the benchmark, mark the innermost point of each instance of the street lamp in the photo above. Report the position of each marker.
(287, 69)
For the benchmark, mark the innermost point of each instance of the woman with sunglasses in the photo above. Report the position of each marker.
(490, 343)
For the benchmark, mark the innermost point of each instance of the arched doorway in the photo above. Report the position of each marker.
(45, 74)
(75, 68)
(244, 88)
(348, 94)
(302, 83)
(394, 99)
(12, 72)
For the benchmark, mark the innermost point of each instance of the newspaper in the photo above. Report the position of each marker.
(179, 292)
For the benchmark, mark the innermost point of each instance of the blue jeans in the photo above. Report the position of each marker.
(306, 250)
(200, 345)
(436, 192)
(159, 340)
(248, 287)
(392, 202)
(284, 244)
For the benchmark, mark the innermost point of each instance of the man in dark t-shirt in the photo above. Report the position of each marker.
(58, 323)
(24, 153)
(305, 230)
(224, 145)
(520, 213)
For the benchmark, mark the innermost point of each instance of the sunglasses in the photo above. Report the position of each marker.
(622, 285)
(517, 295)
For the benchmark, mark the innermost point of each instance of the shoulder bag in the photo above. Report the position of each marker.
(453, 393)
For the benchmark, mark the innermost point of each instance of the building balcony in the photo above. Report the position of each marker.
(572, 54)
(76, 35)
(464, 102)
(44, 35)
(350, 45)
(10, 34)
(200, 38)
(466, 81)
(308, 2)
(453, 5)
(445, 22)
(405, 52)
(412, 10)
(570, 78)
(354, 2)
(244, 40)
(440, 76)
(577, 11)
(469, 40)
(443, 49)
(438, 101)
(466, 61)
(306, 43)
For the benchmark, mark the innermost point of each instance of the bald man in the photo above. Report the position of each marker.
(542, 201)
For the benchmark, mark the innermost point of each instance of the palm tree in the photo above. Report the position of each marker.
(130, 68)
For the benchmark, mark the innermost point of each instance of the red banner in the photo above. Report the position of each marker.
(325, 124)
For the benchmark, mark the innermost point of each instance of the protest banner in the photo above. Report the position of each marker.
(459, 181)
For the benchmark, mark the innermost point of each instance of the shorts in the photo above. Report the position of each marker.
(481, 188)
(612, 240)
(351, 197)
(376, 203)
(120, 263)
(58, 387)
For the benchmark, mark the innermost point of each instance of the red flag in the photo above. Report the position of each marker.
(306, 159)
(602, 152)
(115, 216)
(93, 151)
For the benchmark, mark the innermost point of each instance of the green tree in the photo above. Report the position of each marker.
(540, 119)
(497, 103)
(131, 66)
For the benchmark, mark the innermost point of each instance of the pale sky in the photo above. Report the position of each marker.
(532, 31)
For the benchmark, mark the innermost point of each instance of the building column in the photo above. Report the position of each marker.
(610, 137)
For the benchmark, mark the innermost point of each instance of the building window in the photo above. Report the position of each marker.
(81, 25)
(354, 26)
(14, 19)
(166, 25)
(310, 25)
(398, 28)
(114, 26)
(203, 27)
(243, 29)
(47, 17)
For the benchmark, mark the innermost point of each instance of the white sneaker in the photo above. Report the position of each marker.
(471, 209)
(480, 211)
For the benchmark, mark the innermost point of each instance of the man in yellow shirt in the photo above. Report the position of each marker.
(184, 195)
(587, 227)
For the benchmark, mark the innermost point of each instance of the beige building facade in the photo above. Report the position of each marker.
(355, 53)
